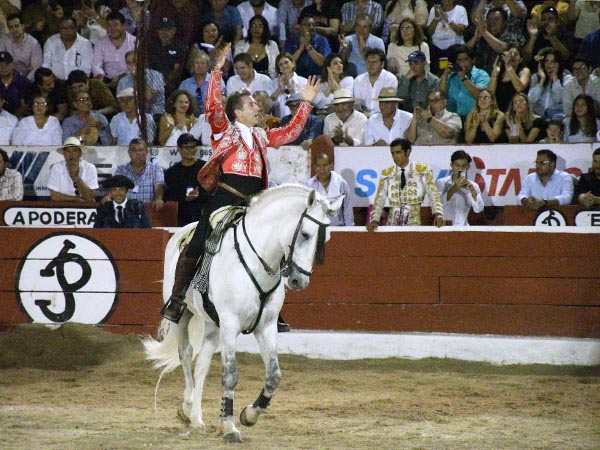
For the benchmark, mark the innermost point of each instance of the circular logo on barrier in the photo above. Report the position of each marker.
(67, 277)
(550, 218)
(587, 218)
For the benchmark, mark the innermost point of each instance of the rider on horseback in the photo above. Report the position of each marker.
(237, 169)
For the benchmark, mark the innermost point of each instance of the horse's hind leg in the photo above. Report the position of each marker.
(185, 356)
(203, 359)
(229, 380)
(267, 340)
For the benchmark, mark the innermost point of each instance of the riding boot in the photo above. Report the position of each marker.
(184, 273)
(282, 326)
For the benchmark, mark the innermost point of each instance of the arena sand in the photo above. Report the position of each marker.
(79, 387)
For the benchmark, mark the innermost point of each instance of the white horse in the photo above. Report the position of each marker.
(283, 224)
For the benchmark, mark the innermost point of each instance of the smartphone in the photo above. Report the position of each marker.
(462, 174)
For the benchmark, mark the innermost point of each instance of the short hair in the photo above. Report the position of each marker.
(235, 101)
(460, 154)
(375, 52)
(441, 93)
(404, 143)
(41, 73)
(500, 10)
(68, 18)
(137, 141)
(244, 58)
(129, 53)
(364, 16)
(323, 155)
(77, 76)
(40, 95)
(557, 122)
(116, 15)
(596, 152)
(280, 57)
(549, 153)
(4, 155)
(13, 17)
(464, 49)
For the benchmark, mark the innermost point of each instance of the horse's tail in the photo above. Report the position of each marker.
(163, 352)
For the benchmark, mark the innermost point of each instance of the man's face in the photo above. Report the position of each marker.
(294, 107)
(581, 71)
(249, 113)
(244, 70)
(343, 110)
(82, 102)
(131, 61)
(308, 25)
(67, 30)
(459, 164)
(436, 104)
(400, 156)
(115, 29)
(15, 28)
(166, 35)
(549, 22)
(362, 28)
(323, 168)
(47, 84)
(417, 67)
(374, 65)
(188, 152)
(72, 155)
(543, 165)
(388, 109)
(138, 154)
(465, 62)
(118, 194)
(596, 165)
(79, 87)
(218, 5)
(201, 65)
(495, 23)
(6, 69)
(127, 104)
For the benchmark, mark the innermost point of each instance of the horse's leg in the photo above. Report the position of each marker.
(203, 359)
(185, 356)
(229, 380)
(267, 340)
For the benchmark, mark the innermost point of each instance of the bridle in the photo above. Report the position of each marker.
(286, 264)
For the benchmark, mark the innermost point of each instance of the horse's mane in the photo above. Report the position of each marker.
(285, 190)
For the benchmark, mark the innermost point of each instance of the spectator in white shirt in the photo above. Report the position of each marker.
(247, 77)
(390, 122)
(368, 85)
(67, 51)
(459, 194)
(346, 126)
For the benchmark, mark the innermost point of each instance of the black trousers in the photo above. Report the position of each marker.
(221, 197)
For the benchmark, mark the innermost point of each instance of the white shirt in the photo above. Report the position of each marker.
(366, 92)
(246, 133)
(8, 122)
(260, 82)
(59, 179)
(269, 12)
(444, 36)
(376, 129)
(354, 126)
(457, 208)
(62, 61)
(321, 101)
(27, 132)
(280, 108)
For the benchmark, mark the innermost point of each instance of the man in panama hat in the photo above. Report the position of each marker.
(345, 126)
(390, 122)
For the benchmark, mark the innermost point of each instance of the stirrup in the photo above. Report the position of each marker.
(282, 327)
(173, 309)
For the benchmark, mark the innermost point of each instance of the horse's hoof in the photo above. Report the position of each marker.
(197, 428)
(232, 438)
(182, 415)
(249, 416)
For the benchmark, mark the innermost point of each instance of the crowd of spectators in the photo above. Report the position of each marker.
(509, 69)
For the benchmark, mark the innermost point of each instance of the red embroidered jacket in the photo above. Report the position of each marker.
(230, 150)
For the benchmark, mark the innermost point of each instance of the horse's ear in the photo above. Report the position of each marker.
(311, 198)
(335, 206)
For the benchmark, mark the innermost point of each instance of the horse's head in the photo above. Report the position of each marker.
(308, 242)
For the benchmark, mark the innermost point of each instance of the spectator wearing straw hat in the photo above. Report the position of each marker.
(345, 126)
(390, 122)
(124, 126)
(121, 212)
(72, 179)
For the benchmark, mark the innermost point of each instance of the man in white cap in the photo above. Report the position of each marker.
(72, 179)
(346, 126)
(390, 122)
(124, 126)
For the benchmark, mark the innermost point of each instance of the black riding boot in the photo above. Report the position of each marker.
(184, 273)
(282, 326)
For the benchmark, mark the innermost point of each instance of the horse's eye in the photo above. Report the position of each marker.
(305, 235)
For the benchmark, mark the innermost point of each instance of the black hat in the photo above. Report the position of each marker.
(6, 57)
(186, 138)
(550, 10)
(166, 22)
(118, 181)
(417, 55)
